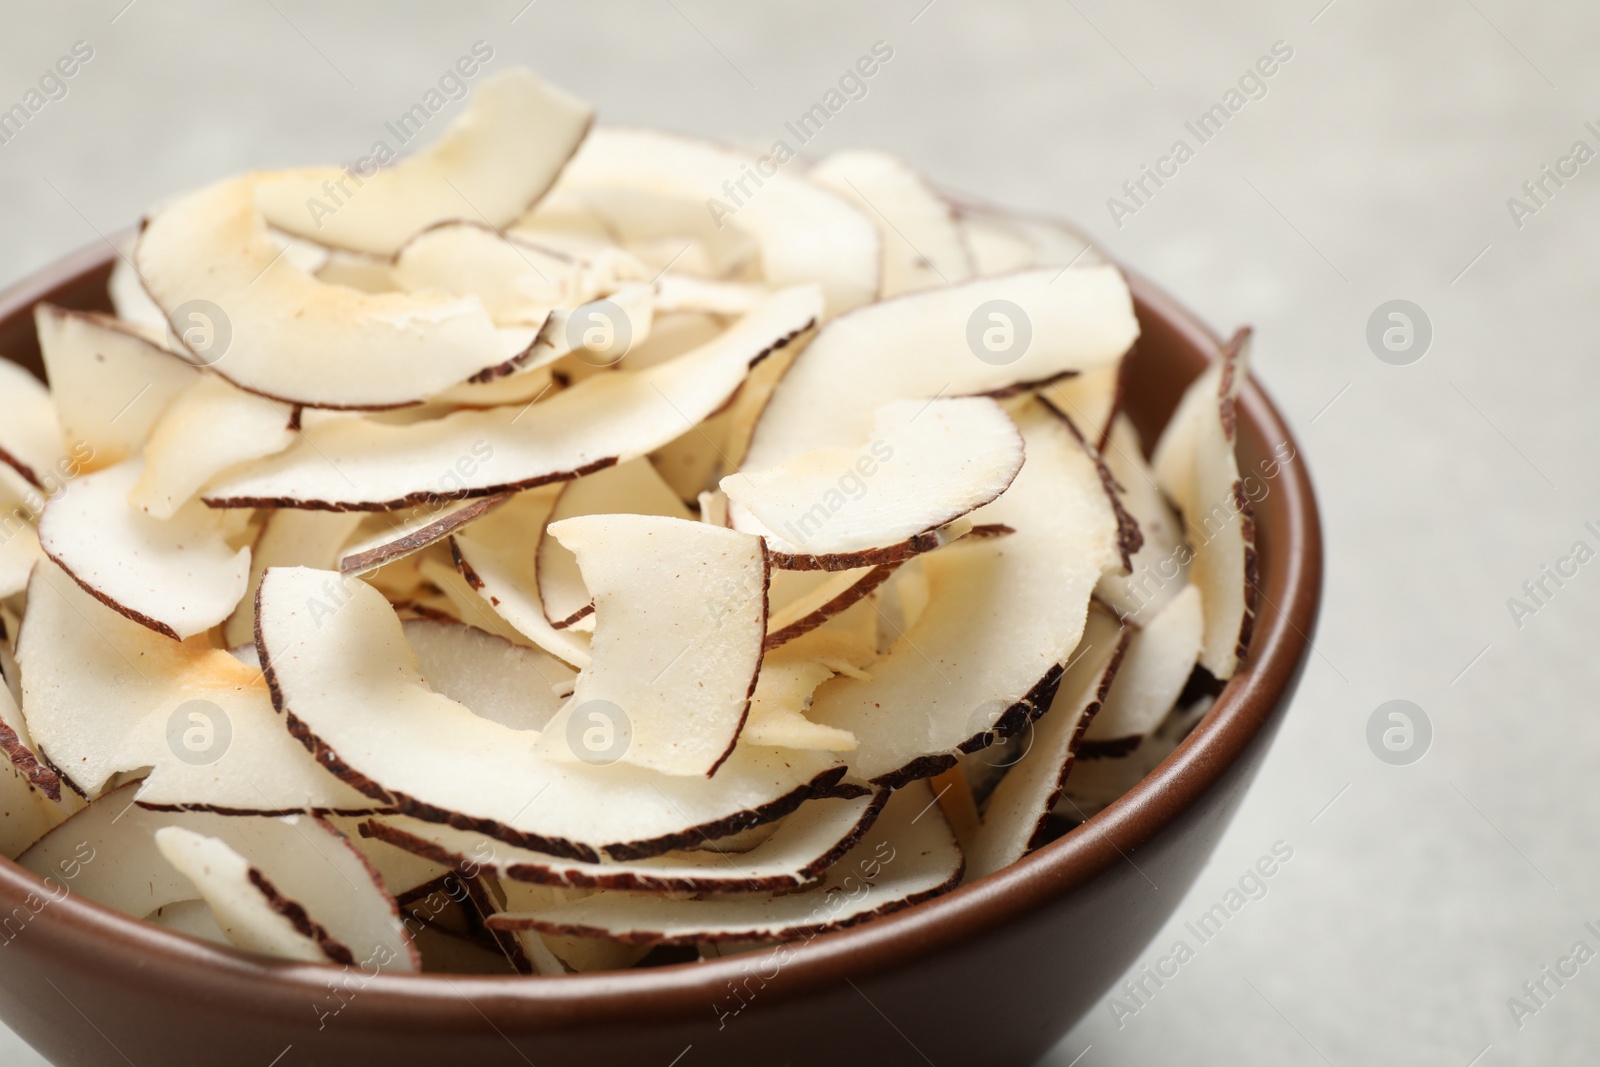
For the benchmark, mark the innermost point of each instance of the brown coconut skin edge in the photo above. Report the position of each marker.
(991, 974)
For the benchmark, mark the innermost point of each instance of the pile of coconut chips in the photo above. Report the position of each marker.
(523, 568)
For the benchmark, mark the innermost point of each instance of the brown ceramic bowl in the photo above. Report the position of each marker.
(992, 974)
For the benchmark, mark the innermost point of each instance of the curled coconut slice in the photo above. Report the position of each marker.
(31, 795)
(497, 560)
(1016, 811)
(19, 541)
(1002, 617)
(492, 163)
(801, 601)
(1195, 464)
(925, 464)
(178, 577)
(109, 853)
(352, 693)
(252, 913)
(287, 539)
(680, 620)
(1159, 568)
(103, 695)
(783, 692)
(806, 233)
(518, 281)
(354, 464)
(1090, 400)
(803, 846)
(631, 488)
(30, 432)
(109, 380)
(1160, 658)
(516, 686)
(206, 429)
(390, 536)
(984, 336)
(272, 328)
(922, 240)
(908, 856)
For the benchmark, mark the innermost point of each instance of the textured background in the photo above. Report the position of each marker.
(1377, 166)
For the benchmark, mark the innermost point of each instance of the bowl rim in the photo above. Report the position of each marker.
(81, 932)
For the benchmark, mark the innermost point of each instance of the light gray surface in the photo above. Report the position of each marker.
(1377, 166)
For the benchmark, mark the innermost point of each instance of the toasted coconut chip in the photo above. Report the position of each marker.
(206, 429)
(1081, 322)
(131, 300)
(518, 281)
(405, 875)
(492, 163)
(349, 464)
(1129, 537)
(794, 855)
(554, 953)
(16, 744)
(680, 620)
(359, 271)
(631, 488)
(30, 433)
(1056, 243)
(690, 463)
(253, 914)
(516, 686)
(104, 695)
(994, 244)
(1002, 617)
(600, 333)
(287, 539)
(110, 381)
(1195, 464)
(462, 601)
(777, 707)
(806, 233)
(1004, 241)
(354, 696)
(29, 814)
(713, 506)
(824, 595)
(908, 856)
(686, 293)
(108, 853)
(192, 918)
(271, 328)
(580, 955)
(31, 798)
(523, 388)
(1160, 658)
(1160, 567)
(922, 239)
(663, 230)
(19, 542)
(178, 577)
(747, 406)
(386, 536)
(1090, 400)
(1017, 809)
(925, 464)
(498, 559)
(885, 555)
(671, 335)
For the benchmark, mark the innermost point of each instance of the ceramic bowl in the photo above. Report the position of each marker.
(992, 974)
